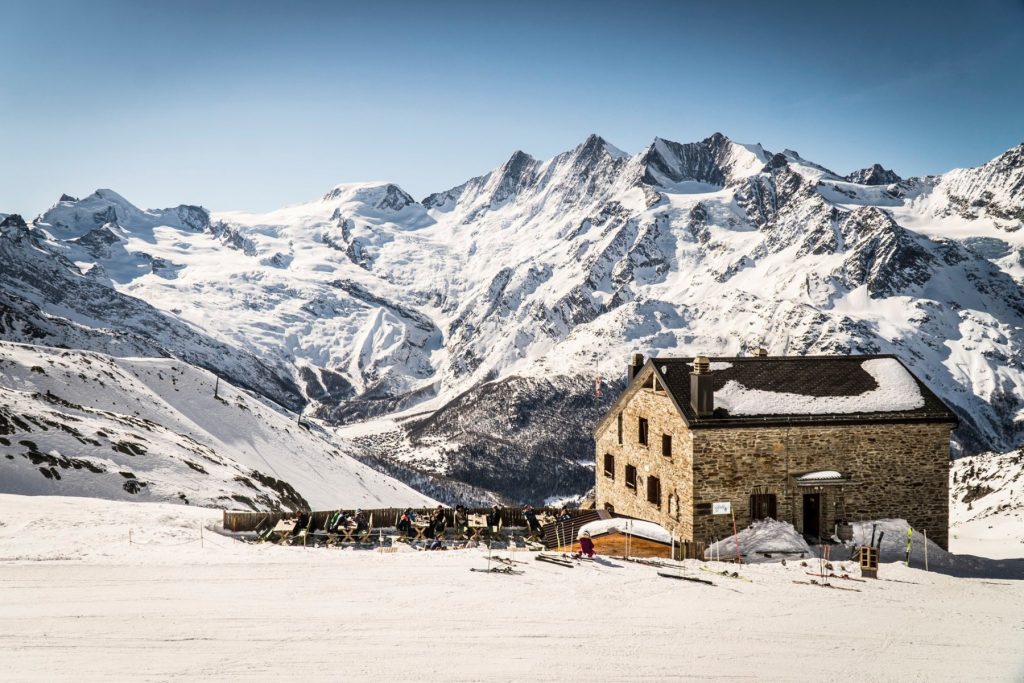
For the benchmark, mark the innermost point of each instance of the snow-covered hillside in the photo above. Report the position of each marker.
(987, 504)
(482, 316)
(87, 424)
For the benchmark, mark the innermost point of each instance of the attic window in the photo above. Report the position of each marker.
(658, 387)
(666, 445)
(630, 477)
(642, 431)
(620, 428)
(654, 491)
(609, 465)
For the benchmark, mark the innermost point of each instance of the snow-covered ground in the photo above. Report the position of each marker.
(80, 603)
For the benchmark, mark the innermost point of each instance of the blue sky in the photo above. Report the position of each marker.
(248, 105)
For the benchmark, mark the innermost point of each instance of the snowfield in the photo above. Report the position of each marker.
(80, 603)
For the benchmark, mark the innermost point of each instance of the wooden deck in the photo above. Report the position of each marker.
(614, 545)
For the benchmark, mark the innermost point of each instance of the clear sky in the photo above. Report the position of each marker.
(249, 105)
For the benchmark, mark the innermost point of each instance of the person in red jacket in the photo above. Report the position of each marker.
(586, 545)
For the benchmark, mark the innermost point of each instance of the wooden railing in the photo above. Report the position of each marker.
(689, 550)
(383, 518)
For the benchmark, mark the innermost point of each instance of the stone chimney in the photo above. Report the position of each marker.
(761, 352)
(702, 396)
(636, 362)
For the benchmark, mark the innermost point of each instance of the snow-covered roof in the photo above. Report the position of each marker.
(822, 478)
(823, 475)
(634, 527)
(802, 389)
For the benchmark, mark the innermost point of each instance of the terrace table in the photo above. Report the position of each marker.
(283, 529)
(346, 533)
(477, 523)
(420, 528)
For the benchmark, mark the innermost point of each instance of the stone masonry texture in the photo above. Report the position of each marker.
(895, 470)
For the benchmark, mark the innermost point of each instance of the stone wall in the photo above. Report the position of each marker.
(896, 470)
(675, 512)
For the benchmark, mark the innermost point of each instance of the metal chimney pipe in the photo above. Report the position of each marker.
(702, 396)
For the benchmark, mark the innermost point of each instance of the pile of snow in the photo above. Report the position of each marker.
(633, 527)
(894, 549)
(762, 538)
(897, 391)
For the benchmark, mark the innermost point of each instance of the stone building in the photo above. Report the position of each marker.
(811, 440)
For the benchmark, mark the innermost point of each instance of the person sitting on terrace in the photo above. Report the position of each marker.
(301, 522)
(405, 522)
(438, 522)
(586, 545)
(494, 518)
(531, 519)
(361, 522)
(461, 519)
(334, 522)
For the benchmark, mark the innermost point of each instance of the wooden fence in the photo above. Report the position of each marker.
(385, 518)
(236, 520)
(689, 550)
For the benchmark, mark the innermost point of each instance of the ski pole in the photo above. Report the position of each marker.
(925, 549)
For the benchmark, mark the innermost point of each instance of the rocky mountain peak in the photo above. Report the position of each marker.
(716, 140)
(596, 148)
(778, 160)
(380, 196)
(393, 198)
(715, 160)
(874, 175)
(13, 221)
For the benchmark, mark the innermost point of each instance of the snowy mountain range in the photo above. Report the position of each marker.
(468, 342)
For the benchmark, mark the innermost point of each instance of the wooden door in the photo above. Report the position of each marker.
(812, 515)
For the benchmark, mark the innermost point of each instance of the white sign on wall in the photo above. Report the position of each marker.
(721, 508)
